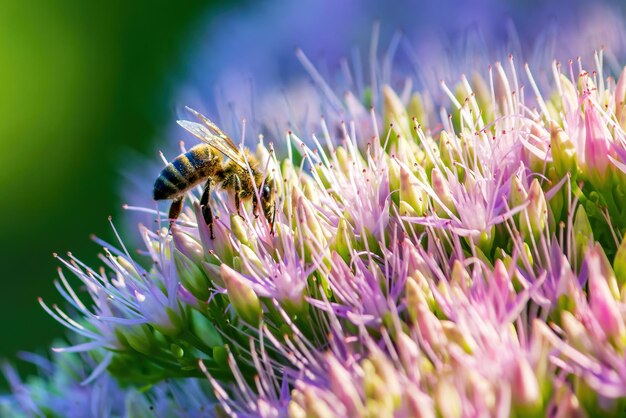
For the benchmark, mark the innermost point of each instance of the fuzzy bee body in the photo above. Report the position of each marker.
(239, 174)
(185, 172)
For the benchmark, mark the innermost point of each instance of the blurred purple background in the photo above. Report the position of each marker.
(256, 44)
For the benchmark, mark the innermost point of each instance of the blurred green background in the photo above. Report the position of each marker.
(81, 83)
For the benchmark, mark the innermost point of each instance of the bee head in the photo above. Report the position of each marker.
(267, 201)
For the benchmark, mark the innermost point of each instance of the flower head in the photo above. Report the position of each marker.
(417, 264)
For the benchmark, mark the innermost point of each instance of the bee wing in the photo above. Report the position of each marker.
(219, 143)
(212, 126)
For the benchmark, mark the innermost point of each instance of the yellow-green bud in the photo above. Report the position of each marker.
(563, 151)
(536, 213)
(191, 276)
(187, 245)
(448, 400)
(395, 112)
(410, 191)
(583, 234)
(619, 264)
(239, 228)
(441, 188)
(203, 328)
(141, 339)
(525, 388)
(241, 295)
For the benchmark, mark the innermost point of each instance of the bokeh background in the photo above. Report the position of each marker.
(82, 86)
(89, 92)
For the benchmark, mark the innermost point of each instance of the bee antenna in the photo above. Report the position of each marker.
(243, 131)
(193, 111)
(163, 157)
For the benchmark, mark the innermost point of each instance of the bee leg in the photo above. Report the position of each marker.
(175, 209)
(207, 213)
(254, 207)
(273, 219)
(237, 192)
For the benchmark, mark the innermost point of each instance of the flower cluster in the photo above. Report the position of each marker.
(471, 264)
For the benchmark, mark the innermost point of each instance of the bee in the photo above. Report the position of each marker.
(239, 174)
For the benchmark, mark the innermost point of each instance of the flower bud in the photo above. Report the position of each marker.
(419, 405)
(517, 193)
(460, 277)
(294, 409)
(409, 354)
(583, 234)
(570, 96)
(309, 216)
(313, 232)
(343, 159)
(536, 213)
(140, 338)
(385, 370)
(447, 399)
(239, 228)
(441, 188)
(619, 264)
(414, 298)
(203, 328)
(454, 335)
(480, 391)
(219, 249)
(344, 240)
(342, 384)
(418, 108)
(525, 387)
(446, 150)
(214, 274)
(314, 407)
(252, 260)
(503, 91)
(404, 209)
(191, 276)
(241, 295)
(602, 302)
(395, 112)
(576, 333)
(607, 271)
(187, 246)
(502, 280)
(430, 328)
(481, 92)
(410, 191)
(541, 349)
(563, 151)
(393, 167)
(596, 147)
(170, 324)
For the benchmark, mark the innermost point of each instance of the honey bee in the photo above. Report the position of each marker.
(239, 174)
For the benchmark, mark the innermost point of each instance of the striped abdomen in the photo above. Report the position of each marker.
(186, 171)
